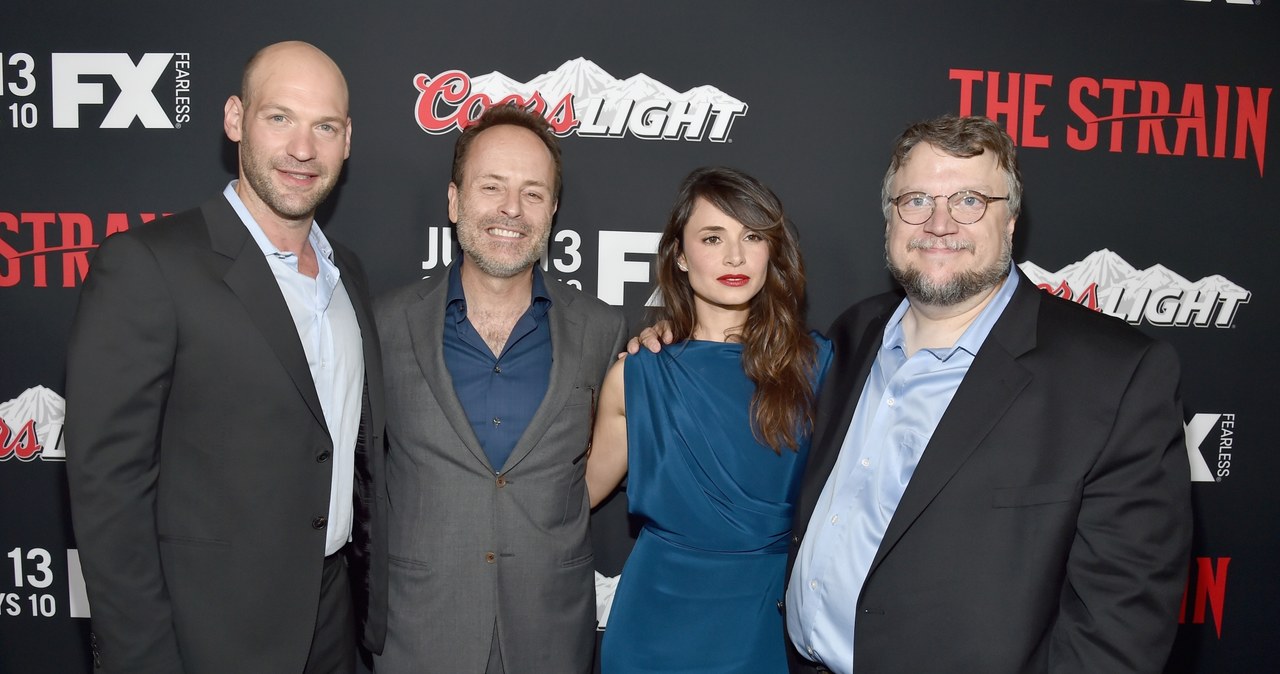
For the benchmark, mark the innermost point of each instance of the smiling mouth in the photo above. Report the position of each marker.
(505, 233)
(295, 175)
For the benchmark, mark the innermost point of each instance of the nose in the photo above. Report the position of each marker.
(733, 254)
(302, 145)
(511, 206)
(941, 223)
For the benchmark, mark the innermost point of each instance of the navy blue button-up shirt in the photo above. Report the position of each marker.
(499, 395)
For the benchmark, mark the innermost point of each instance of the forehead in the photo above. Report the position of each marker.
(705, 215)
(509, 151)
(298, 80)
(928, 168)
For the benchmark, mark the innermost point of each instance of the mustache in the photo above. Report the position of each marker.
(950, 244)
(503, 222)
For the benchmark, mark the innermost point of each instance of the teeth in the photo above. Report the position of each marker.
(505, 233)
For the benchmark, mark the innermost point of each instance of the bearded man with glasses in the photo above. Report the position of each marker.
(998, 480)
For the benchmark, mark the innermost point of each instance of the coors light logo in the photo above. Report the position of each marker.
(31, 425)
(580, 97)
(1104, 282)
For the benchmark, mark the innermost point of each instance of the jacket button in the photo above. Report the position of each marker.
(781, 605)
(319, 522)
(490, 557)
(795, 539)
(322, 457)
(502, 481)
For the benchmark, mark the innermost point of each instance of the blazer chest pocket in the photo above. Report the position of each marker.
(1035, 495)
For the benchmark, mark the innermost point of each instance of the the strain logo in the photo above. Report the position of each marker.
(1206, 589)
(1217, 120)
(31, 426)
(1221, 428)
(580, 97)
(44, 249)
(1104, 282)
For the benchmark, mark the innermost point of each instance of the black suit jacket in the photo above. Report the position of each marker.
(1046, 527)
(198, 456)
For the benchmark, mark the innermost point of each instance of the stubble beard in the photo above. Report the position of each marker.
(257, 173)
(470, 238)
(960, 287)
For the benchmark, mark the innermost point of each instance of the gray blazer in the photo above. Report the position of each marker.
(473, 546)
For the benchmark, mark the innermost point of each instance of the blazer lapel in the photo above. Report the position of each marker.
(567, 333)
(426, 330)
(250, 278)
(990, 386)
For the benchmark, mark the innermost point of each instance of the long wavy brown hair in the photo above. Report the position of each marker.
(778, 354)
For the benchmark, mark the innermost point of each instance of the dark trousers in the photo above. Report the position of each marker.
(333, 646)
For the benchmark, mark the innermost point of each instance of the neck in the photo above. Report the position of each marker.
(928, 326)
(287, 235)
(484, 290)
(718, 324)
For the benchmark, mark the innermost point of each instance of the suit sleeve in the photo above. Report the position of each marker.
(1127, 566)
(119, 370)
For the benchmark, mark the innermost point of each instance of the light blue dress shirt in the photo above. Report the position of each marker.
(900, 406)
(330, 336)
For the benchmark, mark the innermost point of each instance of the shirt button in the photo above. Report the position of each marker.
(319, 522)
(490, 557)
(889, 402)
(497, 421)
(866, 462)
(502, 482)
(810, 649)
(835, 518)
(813, 585)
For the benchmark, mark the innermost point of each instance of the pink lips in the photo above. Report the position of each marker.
(734, 280)
(292, 176)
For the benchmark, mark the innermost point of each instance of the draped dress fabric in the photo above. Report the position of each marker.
(700, 590)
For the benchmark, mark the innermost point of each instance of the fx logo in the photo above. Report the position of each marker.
(135, 81)
(1197, 431)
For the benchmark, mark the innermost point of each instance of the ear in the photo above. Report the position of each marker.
(681, 264)
(346, 151)
(453, 203)
(232, 118)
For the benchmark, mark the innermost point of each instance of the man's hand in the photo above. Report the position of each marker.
(652, 338)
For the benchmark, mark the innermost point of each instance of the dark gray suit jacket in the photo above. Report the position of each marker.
(1047, 525)
(198, 455)
(474, 545)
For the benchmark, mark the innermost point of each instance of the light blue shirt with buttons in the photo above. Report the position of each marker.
(330, 336)
(900, 406)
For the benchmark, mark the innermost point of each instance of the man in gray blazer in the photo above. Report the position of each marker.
(491, 375)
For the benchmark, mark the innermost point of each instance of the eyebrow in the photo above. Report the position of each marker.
(504, 178)
(270, 108)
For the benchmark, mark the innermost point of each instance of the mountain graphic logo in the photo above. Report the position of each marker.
(31, 426)
(581, 98)
(1105, 282)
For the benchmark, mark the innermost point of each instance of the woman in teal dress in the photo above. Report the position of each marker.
(712, 434)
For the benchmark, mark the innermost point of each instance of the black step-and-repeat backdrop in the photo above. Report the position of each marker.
(1143, 132)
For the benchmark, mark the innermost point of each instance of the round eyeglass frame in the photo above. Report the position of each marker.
(951, 200)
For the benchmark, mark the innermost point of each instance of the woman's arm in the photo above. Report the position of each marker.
(607, 460)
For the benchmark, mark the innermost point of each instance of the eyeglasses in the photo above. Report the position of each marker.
(966, 206)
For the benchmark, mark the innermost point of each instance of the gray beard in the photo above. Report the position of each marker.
(958, 288)
(468, 240)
